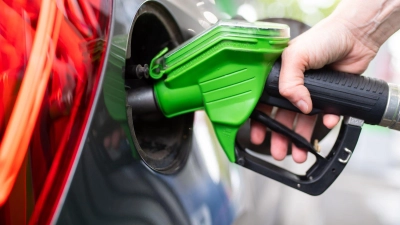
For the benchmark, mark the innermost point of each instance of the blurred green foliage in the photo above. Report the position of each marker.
(307, 11)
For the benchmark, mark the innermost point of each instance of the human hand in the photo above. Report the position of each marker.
(333, 41)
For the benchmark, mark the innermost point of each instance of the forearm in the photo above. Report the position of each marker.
(371, 21)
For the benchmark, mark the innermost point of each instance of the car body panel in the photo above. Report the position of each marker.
(108, 185)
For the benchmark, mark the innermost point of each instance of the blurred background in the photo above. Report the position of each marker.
(368, 191)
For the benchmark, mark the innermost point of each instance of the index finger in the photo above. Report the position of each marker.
(291, 80)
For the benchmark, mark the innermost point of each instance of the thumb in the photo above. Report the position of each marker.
(291, 79)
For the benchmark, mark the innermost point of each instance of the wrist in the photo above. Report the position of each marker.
(370, 22)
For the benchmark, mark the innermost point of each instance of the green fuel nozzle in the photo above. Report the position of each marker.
(223, 71)
(231, 67)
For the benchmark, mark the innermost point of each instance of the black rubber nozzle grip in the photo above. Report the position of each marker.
(336, 92)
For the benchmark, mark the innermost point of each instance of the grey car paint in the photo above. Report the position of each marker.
(109, 186)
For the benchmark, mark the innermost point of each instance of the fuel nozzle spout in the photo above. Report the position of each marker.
(231, 68)
(142, 100)
(391, 116)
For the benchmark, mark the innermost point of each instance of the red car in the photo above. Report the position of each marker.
(67, 153)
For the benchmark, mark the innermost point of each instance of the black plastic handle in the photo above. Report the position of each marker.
(277, 127)
(331, 92)
(334, 92)
(320, 176)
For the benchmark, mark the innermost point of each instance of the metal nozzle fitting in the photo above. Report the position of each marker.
(138, 71)
(391, 117)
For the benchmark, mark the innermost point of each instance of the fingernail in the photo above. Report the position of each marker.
(302, 105)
